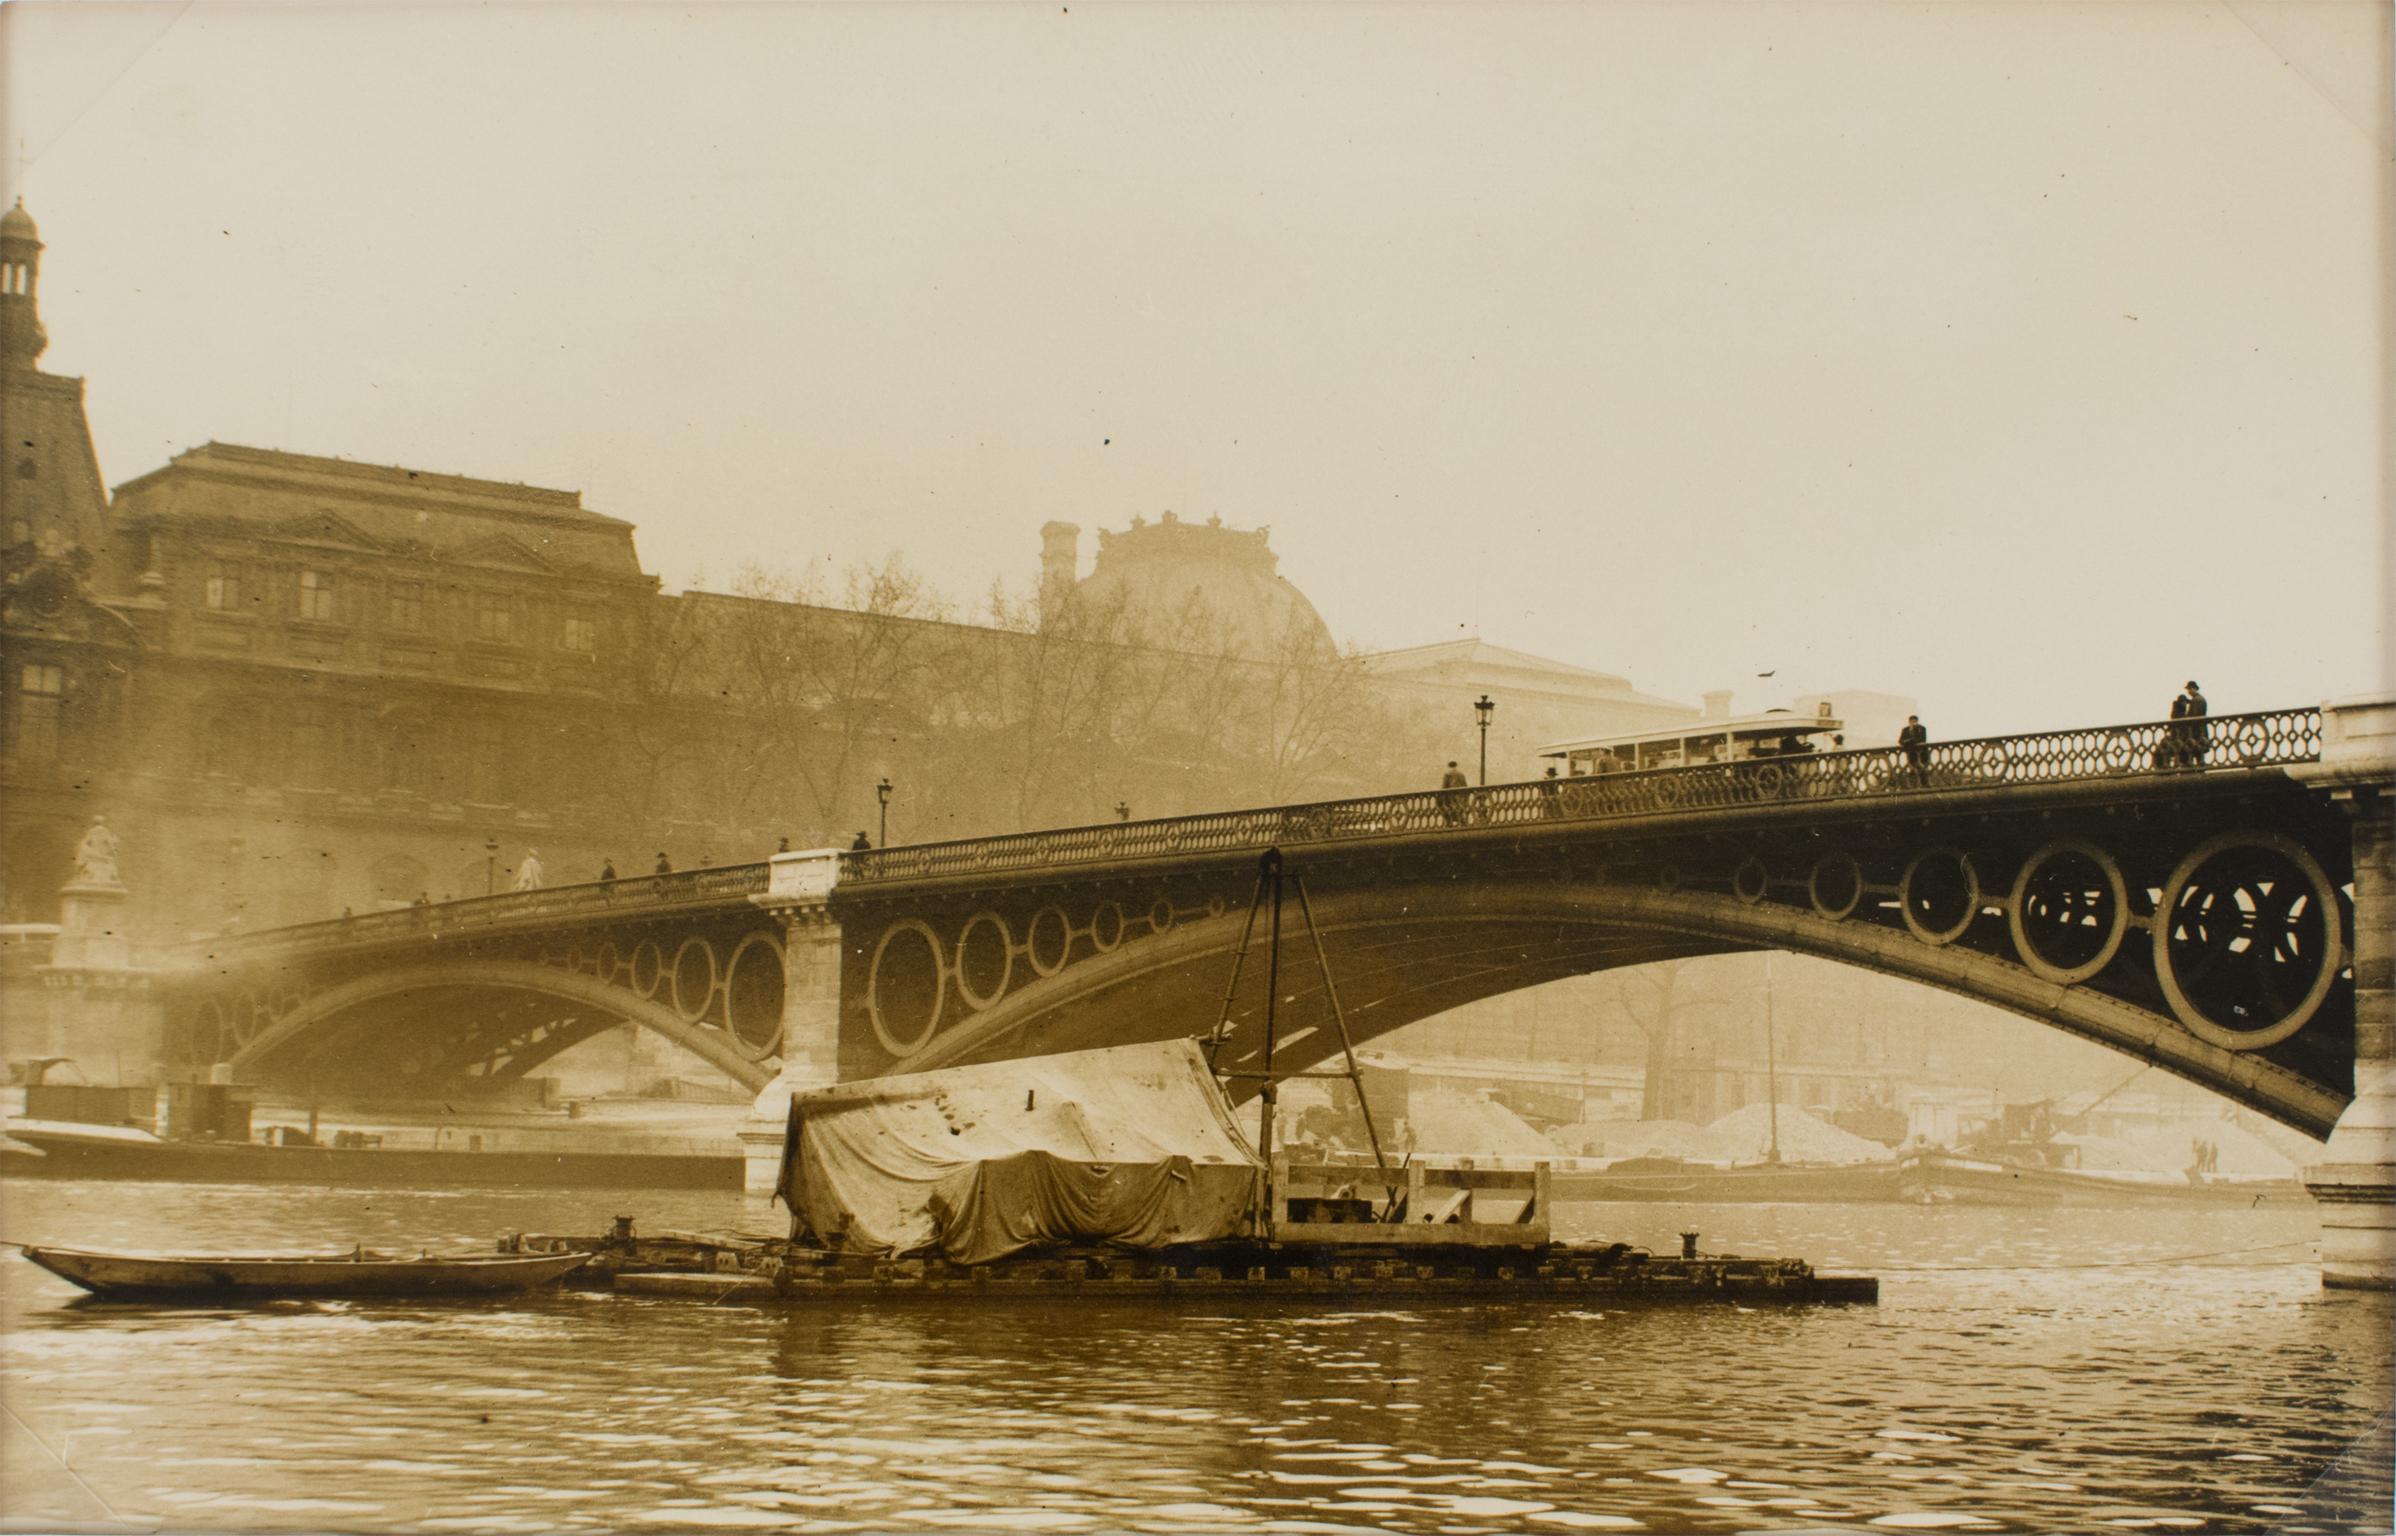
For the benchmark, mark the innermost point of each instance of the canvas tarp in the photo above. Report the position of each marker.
(1131, 1145)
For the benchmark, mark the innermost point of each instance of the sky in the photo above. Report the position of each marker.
(2025, 359)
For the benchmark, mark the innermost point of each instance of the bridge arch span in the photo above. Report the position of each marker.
(340, 1006)
(1404, 952)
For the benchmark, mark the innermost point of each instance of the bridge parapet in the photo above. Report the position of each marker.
(2266, 739)
(514, 911)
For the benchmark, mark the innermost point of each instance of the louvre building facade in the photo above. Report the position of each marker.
(298, 685)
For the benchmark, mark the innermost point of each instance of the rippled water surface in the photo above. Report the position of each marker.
(2024, 1371)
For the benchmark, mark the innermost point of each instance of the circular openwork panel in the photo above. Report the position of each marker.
(1668, 878)
(1836, 886)
(753, 995)
(1750, 881)
(1160, 915)
(2070, 911)
(606, 958)
(648, 964)
(907, 987)
(694, 978)
(2248, 940)
(1106, 927)
(1940, 895)
(1048, 943)
(209, 1036)
(985, 960)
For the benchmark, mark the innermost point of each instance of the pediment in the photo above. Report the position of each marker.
(502, 553)
(51, 600)
(330, 530)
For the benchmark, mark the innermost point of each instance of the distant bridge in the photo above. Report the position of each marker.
(2200, 917)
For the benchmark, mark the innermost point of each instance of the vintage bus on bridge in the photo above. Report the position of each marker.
(1774, 735)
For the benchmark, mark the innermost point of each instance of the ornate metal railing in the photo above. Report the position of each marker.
(689, 887)
(2267, 739)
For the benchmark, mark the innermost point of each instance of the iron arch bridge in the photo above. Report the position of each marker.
(2199, 916)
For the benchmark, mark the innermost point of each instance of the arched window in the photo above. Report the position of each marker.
(405, 750)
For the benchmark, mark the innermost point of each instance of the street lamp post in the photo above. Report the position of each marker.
(1484, 707)
(490, 866)
(882, 793)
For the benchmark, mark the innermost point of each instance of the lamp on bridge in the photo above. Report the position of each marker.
(1123, 810)
(490, 865)
(882, 793)
(1484, 707)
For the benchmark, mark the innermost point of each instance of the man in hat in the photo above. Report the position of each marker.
(1451, 807)
(2188, 730)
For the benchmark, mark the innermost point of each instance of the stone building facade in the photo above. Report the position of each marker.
(298, 685)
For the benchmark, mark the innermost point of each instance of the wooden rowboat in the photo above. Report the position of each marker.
(158, 1276)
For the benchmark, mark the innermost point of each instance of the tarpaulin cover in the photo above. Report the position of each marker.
(1131, 1145)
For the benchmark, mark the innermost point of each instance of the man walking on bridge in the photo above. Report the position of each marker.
(1915, 739)
(2188, 730)
(1450, 808)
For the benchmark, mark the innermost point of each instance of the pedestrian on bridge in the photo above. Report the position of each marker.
(1915, 739)
(607, 871)
(1451, 809)
(528, 873)
(2188, 731)
(861, 843)
(665, 866)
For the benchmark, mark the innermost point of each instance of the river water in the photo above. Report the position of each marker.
(2025, 1371)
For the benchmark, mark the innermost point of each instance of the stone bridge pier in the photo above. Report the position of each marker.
(2355, 1179)
(799, 895)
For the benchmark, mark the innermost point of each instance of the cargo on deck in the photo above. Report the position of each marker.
(1131, 1145)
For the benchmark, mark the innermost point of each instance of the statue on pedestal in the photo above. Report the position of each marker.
(95, 856)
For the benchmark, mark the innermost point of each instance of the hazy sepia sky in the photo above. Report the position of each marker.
(2027, 358)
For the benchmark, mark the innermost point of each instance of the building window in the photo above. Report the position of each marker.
(223, 588)
(494, 620)
(582, 634)
(407, 753)
(403, 606)
(316, 595)
(41, 702)
(309, 753)
(487, 762)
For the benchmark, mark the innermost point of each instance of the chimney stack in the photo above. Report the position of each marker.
(1060, 557)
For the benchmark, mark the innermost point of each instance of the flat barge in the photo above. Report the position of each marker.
(1364, 1265)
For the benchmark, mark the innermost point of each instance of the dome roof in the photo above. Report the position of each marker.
(1204, 587)
(17, 224)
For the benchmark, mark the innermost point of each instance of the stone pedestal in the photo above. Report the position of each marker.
(2355, 1180)
(91, 927)
(97, 1008)
(799, 893)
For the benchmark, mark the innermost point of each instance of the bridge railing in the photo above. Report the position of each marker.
(2266, 739)
(512, 908)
